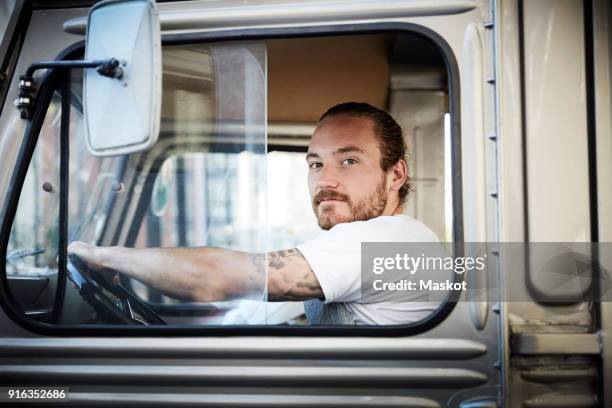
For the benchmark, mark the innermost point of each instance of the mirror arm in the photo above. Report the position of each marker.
(111, 68)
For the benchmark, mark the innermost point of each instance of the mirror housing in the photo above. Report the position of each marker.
(122, 114)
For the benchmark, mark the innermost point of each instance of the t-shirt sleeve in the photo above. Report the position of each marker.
(335, 258)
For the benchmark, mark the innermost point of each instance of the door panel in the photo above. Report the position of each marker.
(457, 363)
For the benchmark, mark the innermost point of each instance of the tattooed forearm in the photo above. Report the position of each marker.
(306, 288)
(259, 262)
(277, 260)
(290, 277)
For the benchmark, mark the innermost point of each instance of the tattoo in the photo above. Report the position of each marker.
(291, 278)
(259, 262)
(277, 260)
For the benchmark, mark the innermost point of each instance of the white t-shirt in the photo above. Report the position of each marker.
(335, 258)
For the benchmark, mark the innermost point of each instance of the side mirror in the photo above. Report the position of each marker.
(122, 113)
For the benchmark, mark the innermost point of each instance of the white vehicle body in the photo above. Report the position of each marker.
(530, 97)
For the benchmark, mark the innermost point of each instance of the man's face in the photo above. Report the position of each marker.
(345, 179)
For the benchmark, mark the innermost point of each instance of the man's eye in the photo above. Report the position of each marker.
(349, 162)
(315, 165)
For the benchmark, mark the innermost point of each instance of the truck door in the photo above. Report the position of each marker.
(455, 357)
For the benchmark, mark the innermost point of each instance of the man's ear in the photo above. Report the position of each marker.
(396, 176)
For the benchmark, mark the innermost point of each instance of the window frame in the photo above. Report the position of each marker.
(51, 83)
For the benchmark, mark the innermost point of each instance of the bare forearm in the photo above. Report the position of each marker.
(207, 274)
(201, 274)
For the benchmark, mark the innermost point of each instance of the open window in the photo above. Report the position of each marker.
(229, 168)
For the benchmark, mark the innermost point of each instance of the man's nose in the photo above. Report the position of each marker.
(328, 177)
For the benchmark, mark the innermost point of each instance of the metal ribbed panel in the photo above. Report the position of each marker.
(562, 400)
(207, 14)
(553, 375)
(247, 400)
(236, 347)
(480, 403)
(555, 343)
(242, 376)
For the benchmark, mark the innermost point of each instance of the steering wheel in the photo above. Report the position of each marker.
(126, 309)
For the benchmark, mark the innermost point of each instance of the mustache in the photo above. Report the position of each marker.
(328, 195)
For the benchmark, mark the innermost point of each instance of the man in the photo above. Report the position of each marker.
(358, 182)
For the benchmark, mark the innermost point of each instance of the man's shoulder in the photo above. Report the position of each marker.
(399, 227)
(413, 228)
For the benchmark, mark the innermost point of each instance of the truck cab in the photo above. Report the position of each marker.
(505, 107)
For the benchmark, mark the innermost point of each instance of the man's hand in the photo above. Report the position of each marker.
(93, 257)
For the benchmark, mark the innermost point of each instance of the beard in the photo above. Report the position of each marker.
(363, 210)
